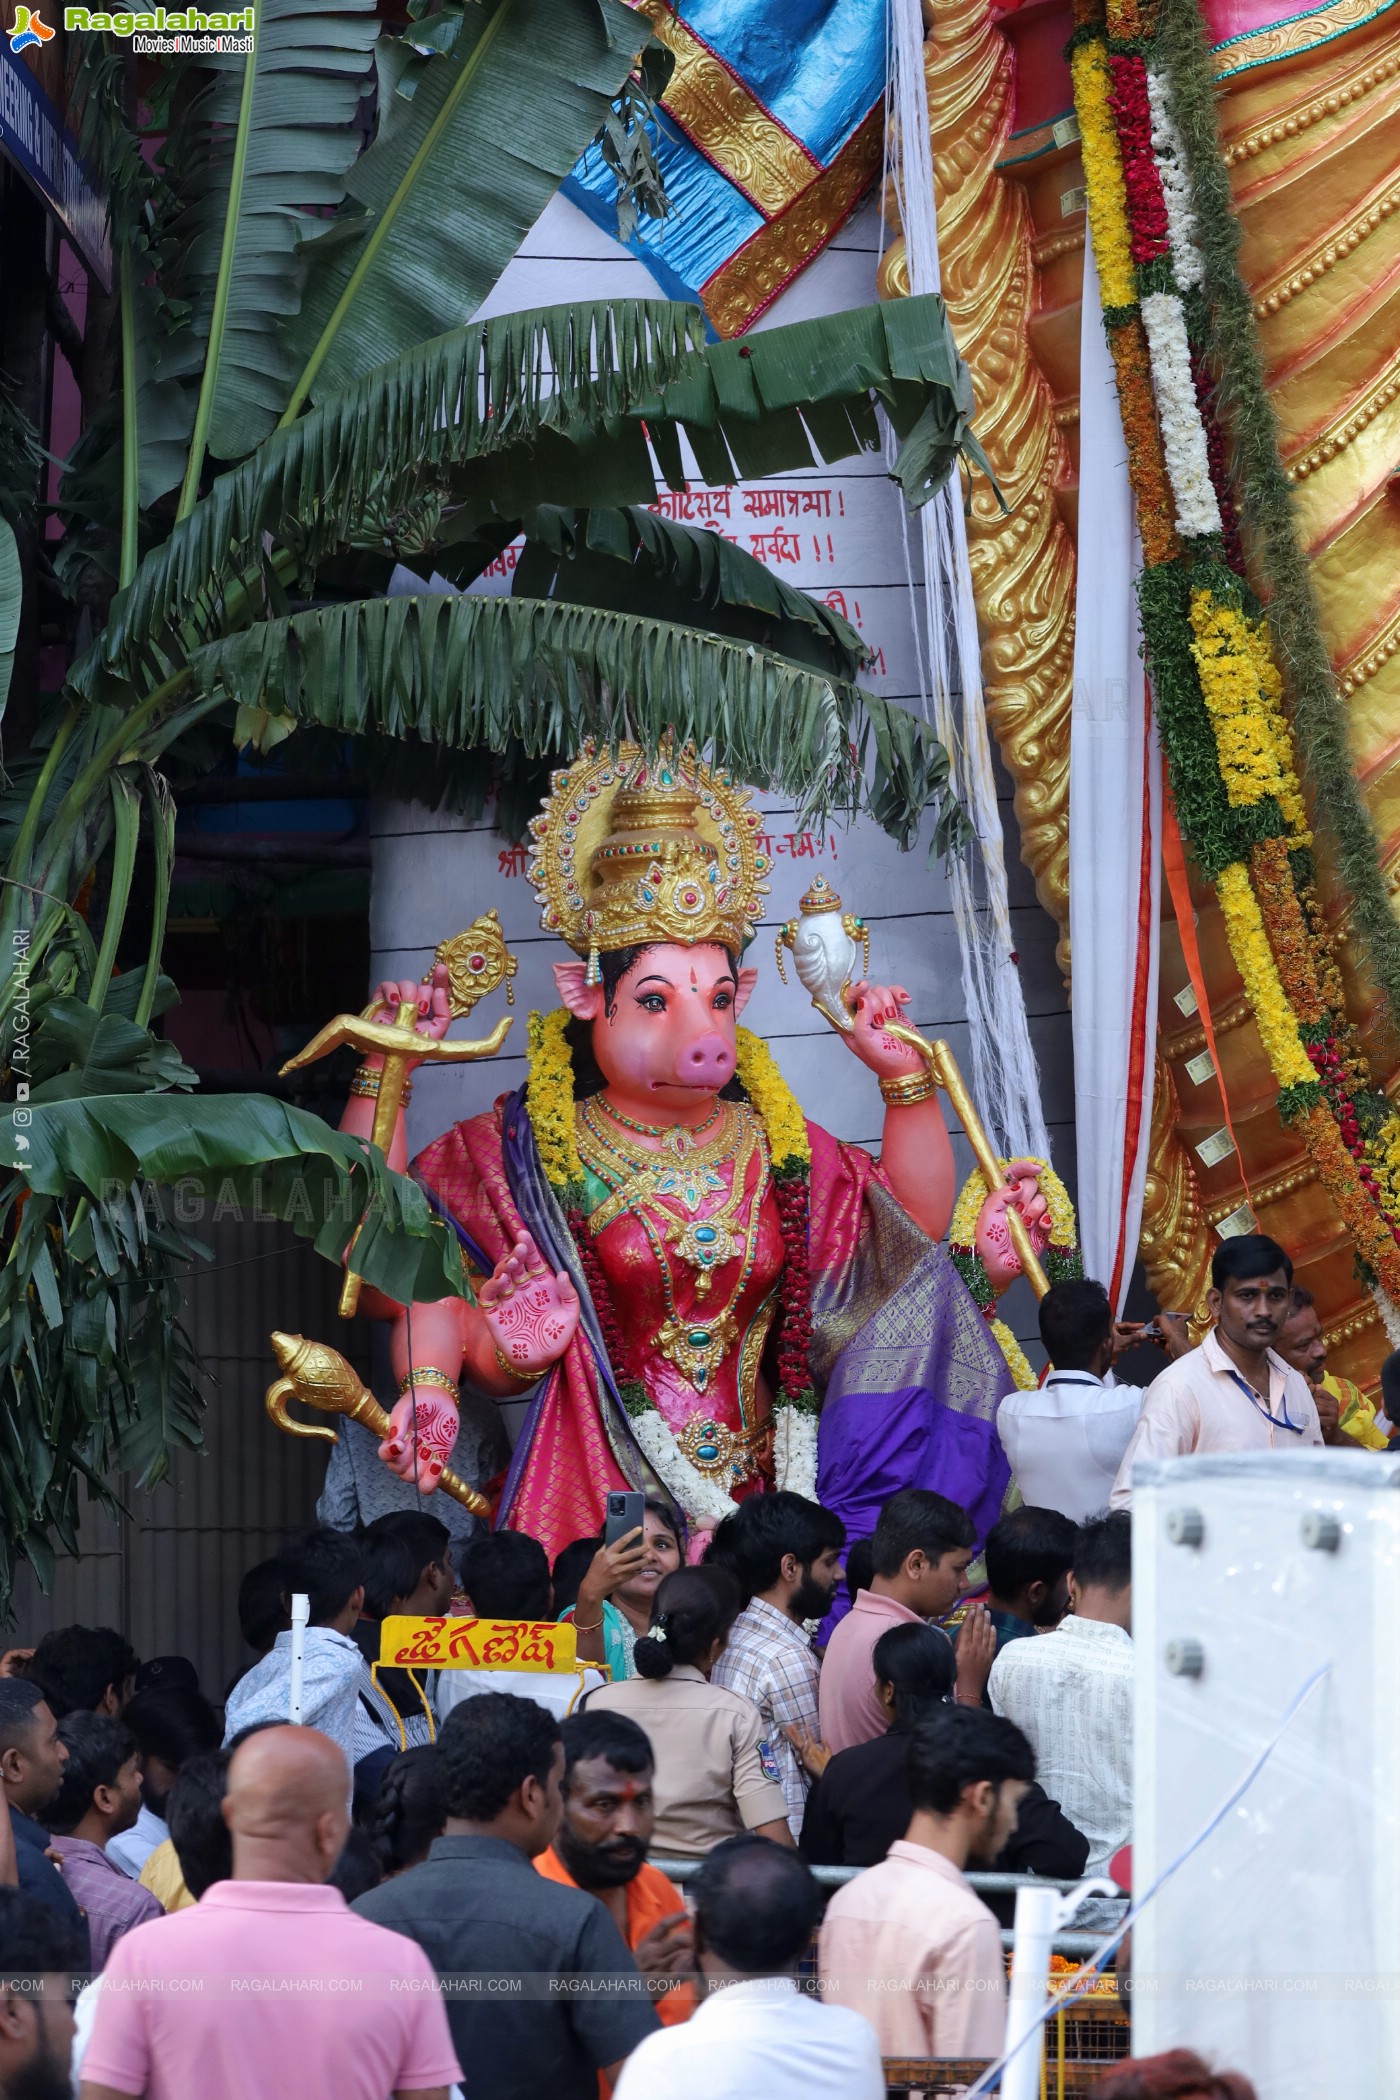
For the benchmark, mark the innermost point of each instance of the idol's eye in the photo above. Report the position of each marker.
(722, 1001)
(652, 1003)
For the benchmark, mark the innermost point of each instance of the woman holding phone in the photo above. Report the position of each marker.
(615, 1596)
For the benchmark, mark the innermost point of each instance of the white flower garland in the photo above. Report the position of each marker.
(1183, 433)
(1390, 1315)
(700, 1498)
(795, 1451)
(1188, 264)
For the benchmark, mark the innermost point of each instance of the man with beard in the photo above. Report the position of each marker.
(40, 1949)
(785, 1553)
(31, 1771)
(1234, 1393)
(602, 1847)
(909, 1943)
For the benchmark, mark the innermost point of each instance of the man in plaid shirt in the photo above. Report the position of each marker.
(786, 1555)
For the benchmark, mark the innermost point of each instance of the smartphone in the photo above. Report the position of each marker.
(624, 1513)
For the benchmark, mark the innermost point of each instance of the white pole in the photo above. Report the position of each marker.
(1037, 1914)
(1040, 1914)
(301, 1612)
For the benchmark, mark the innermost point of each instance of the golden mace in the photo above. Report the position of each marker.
(822, 943)
(477, 961)
(319, 1376)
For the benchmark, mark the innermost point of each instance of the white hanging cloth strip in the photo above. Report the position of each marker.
(1115, 836)
(1004, 1079)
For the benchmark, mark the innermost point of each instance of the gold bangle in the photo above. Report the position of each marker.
(428, 1374)
(591, 1627)
(366, 1083)
(521, 1377)
(910, 1087)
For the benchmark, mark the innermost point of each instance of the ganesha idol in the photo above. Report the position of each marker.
(702, 1291)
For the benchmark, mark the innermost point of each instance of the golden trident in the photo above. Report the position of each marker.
(822, 941)
(477, 961)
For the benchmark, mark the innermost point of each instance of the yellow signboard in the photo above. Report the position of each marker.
(478, 1644)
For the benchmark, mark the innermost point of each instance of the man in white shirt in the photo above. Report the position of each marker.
(1065, 1440)
(1071, 1692)
(1234, 1393)
(754, 2032)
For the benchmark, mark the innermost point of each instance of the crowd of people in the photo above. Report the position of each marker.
(460, 1878)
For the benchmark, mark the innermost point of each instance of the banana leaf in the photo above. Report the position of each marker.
(472, 144)
(229, 1154)
(566, 406)
(466, 671)
(637, 561)
(268, 143)
(10, 591)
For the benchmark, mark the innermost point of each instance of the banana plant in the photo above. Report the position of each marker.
(306, 404)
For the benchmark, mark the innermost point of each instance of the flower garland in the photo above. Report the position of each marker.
(1022, 1369)
(1062, 1258)
(1215, 679)
(552, 1118)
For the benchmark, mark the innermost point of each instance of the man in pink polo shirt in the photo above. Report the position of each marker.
(921, 1551)
(269, 1985)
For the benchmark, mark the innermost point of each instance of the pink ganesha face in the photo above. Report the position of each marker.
(670, 1037)
(992, 1239)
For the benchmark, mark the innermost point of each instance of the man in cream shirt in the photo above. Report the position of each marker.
(1065, 1440)
(1234, 1393)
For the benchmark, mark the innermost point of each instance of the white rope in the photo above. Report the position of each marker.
(1005, 1081)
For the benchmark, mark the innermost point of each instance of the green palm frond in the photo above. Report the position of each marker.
(472, 143)
(267, 142)
(637, 561)
(563, 405)
(462, 672)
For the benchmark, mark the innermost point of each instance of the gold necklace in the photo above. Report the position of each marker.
(704, 1244)
(687, 1179)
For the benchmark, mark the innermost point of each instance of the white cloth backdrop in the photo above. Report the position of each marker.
(1115, 813)
(1005, 1081)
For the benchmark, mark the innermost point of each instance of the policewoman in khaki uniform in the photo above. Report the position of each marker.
(715, 1773)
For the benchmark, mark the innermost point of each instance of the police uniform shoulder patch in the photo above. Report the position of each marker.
(768, 1761)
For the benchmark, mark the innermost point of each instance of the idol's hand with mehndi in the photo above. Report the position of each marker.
(873, 1007)
(532, 1312)
(1022, 1191)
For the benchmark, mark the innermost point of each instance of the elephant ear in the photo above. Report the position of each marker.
(584, 1000)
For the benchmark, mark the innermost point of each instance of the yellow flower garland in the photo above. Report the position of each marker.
(1290, 793)
(1254, 959)
(1103, 170)
(1022, 1369)
(1064, 1232)
(551, 1078)
(1229, 673)
(783, 1121)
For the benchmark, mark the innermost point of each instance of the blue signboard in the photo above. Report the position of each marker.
(32, 134)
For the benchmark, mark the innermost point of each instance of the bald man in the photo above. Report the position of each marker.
(271, 1985)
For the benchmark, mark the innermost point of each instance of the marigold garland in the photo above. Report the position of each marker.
(1254, 959)
(1103, 171)
(1021, 1367)
(1062, 1257)
(1214, 674)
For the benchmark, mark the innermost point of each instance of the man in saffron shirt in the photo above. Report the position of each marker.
(602, 1845)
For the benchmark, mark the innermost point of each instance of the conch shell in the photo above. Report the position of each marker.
(826, 945)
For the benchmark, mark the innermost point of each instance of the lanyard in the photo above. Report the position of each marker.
(1248, 1390)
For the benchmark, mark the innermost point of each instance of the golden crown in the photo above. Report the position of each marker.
(629, 850)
